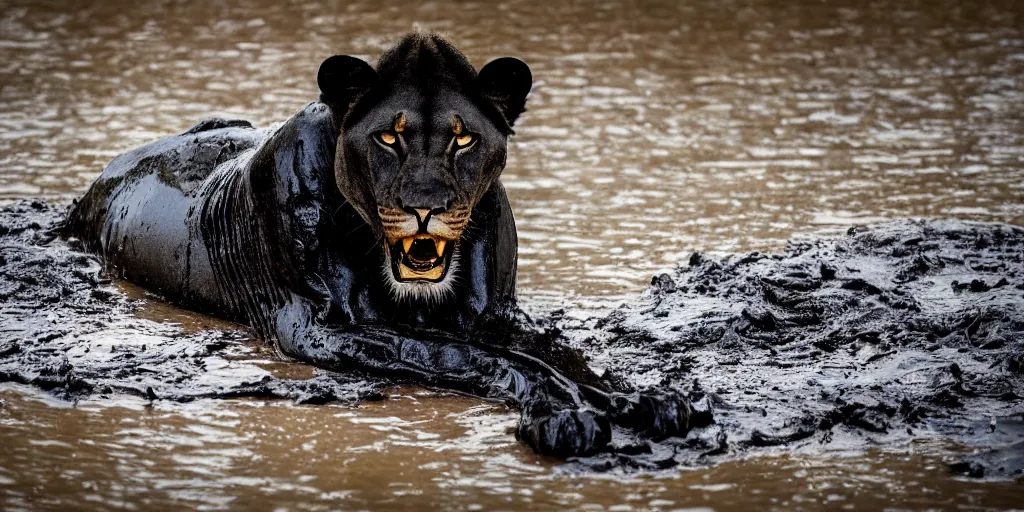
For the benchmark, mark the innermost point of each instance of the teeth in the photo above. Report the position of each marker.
(439, 244)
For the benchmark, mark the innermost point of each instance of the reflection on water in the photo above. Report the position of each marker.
(406, 452)
(656, 128)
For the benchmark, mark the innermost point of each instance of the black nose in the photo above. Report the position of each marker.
(426, 191)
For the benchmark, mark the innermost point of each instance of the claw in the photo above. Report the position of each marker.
(565, 433)
(653, 415)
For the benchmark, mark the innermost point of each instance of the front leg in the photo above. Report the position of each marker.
(292, 185)
(490, 256)
(556, 419)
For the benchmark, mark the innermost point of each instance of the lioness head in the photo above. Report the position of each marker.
(421, 140)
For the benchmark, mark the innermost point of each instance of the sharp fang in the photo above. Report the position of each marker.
(407, 244)
(439, 245)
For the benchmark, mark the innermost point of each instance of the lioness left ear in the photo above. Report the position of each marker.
(342, 77)
(506, 82)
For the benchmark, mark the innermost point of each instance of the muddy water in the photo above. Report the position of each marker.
(655, 129)
(409, 452)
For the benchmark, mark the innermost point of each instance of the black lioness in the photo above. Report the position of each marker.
(369, 231)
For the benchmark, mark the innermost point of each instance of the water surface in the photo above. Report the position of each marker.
(412, 451)
(656, 128)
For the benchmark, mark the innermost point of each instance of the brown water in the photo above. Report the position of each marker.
(410, 452)
(655, 129)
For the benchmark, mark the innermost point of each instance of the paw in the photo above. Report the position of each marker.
(654, 415)
(565, 433)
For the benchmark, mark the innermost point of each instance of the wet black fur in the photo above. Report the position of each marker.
(276, 228)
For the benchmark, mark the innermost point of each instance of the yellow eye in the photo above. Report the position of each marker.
(387, 138)
(463, 141)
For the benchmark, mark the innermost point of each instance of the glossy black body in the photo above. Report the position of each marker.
(274, 228)
(160, 216)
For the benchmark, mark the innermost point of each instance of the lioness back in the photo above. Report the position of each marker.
(139, 214)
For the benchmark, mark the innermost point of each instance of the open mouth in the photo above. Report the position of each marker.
(421, 258)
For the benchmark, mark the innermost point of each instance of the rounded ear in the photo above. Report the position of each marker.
(342, 77)
(506, 82)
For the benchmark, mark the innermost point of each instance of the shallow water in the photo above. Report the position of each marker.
(655, 129)
(411, 451)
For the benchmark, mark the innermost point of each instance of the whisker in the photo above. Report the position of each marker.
(374, 246)
(353, 230)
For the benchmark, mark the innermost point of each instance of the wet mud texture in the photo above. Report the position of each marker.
(903, 332)
(65, 328)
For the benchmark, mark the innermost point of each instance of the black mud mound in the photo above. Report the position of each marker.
(65, 328)
(905, 331)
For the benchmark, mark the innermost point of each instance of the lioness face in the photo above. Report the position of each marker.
(419, 147)
(429, 162)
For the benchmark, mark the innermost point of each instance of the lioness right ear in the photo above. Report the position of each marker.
(342, 77)
(506, 82)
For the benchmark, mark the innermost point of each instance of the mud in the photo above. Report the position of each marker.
(68, 329)
(905, 331)
(902, 331)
